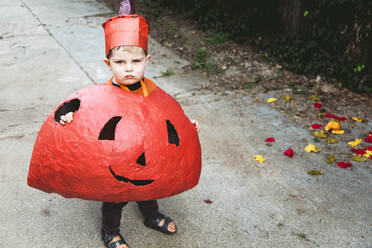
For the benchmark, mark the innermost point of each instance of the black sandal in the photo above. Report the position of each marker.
(154, 224)
(108, 240)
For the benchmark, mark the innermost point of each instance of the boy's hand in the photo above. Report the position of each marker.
(196, 124)
(67, 118)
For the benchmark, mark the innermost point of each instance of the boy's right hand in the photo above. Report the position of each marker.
(67, 118)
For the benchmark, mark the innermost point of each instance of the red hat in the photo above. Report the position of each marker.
(126, 30)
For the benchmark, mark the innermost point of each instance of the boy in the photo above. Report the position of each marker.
(127, 60)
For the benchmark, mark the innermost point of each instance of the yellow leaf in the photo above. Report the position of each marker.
(330, 159)
(320, 134)
(286, 98)
(358, 119)
(259, 158)
(368, 154)
(270, 100)
(315, 172)
(314, 98)
(355, 143)
(312, 148)
(332, 140)
(338, 131)
(321, 115)
(358, 158)
(333, 124)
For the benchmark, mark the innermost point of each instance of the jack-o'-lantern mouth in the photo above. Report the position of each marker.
(127, 180)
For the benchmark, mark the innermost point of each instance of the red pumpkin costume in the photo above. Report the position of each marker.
(120, 146)
(128, 144)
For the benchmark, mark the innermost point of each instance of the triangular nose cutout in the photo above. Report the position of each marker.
(141, 160)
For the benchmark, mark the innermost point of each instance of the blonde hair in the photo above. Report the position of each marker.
(129, 49)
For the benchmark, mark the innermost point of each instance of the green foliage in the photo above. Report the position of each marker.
(335, 43)
(335, 39)
(216, 38)
(201, 62)
(200, 58)
(167, 73)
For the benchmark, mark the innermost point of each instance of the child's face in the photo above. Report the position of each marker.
(127, 67)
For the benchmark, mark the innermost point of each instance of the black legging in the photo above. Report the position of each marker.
(111, 214)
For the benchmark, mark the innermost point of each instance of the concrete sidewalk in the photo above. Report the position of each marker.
(51, 48)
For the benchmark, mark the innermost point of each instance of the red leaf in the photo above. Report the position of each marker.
(368, 139)
(358, 151)
(335, 117)
(270, 139)
(316, 126)
(368, 148)
(343, 165)
(317, 105)
(289, 153)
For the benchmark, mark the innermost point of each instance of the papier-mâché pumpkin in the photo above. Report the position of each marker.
(119, 147)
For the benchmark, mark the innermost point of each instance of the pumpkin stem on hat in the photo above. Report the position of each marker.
(126, 7)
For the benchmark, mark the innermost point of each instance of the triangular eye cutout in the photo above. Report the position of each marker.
(108, 131)
(141, 160)
(172, 134)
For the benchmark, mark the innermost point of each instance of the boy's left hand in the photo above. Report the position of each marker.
(196, 124)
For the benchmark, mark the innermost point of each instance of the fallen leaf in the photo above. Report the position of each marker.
(338, 131)
(368, 148)
(335, 117)
(270, 100)
(316, 140)
(286, 98)
(330, 159)
(302, 235)
(358, 158)
(315, 172)
(333, 124)
(332, 140)
(317, 105)
(314, 98)
(368, 154)
(343, 165)
(207, 201)
(368, 139)
(358, 151)
(280, 225)
(358, 119)
(320, 134)
(321, 115)
(259, 158)
(270, 139)
(289, 153)
(316, 126)
(312, 148)
(355, 142)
